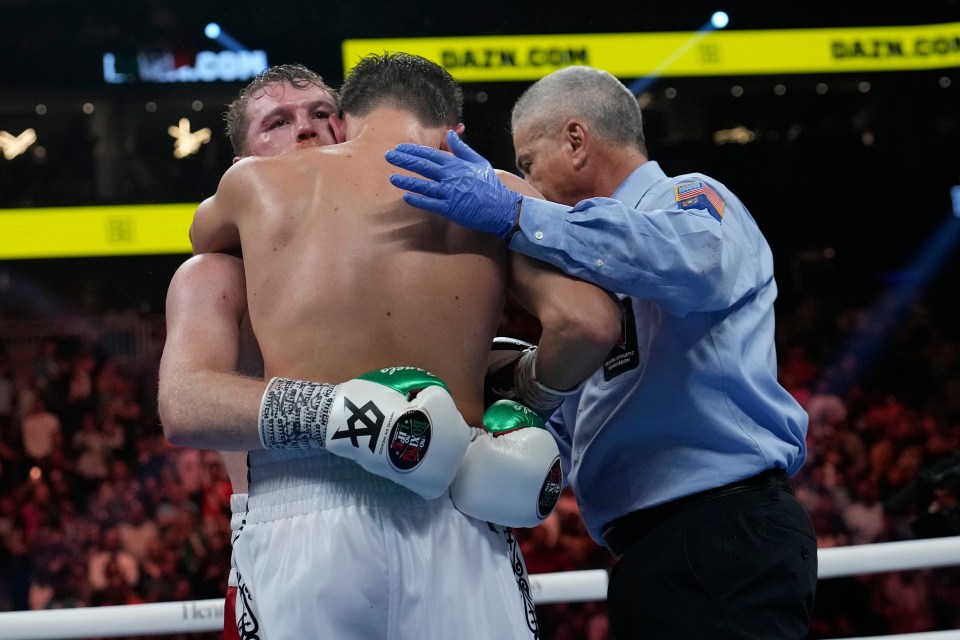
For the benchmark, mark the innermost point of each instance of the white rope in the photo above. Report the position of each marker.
(569, 586)
(888, 556)
(545, 588)
(114, 621)
(926, 635)
(207, 615)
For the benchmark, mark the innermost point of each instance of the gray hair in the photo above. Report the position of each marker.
(592, 95)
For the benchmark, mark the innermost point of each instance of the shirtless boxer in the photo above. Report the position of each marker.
(209, 339)
(386, 285)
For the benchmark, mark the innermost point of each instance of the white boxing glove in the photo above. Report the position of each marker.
(511, 474)
(399, 423)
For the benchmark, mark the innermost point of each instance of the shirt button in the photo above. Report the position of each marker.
(598, 262)
(538, 235)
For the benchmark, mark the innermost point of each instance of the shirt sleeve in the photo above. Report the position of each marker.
(684, 259)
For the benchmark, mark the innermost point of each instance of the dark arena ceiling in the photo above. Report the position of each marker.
(859, 164)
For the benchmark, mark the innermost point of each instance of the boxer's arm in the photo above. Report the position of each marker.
(581, 322)
(400, 423)
(207, 233)
(203, 401)
(215, 226)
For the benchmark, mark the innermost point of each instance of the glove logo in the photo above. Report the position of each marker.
(550, 491)
(372, 418)
(409, 440)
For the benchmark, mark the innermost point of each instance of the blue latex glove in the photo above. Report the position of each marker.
(462, 187)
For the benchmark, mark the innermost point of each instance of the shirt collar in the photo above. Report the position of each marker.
(638, 183)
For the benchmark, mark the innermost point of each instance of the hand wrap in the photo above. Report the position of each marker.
(399, 423)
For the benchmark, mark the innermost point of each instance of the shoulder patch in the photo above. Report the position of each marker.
(699, 195)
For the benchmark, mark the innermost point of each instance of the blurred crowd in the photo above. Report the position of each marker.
(96, 508)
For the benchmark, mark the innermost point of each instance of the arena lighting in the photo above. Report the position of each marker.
(718, 20)
(893, 304)
(13, 146)
(186, 142)
(221, 37)
(737, 135)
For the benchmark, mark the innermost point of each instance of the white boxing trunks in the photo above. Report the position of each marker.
(238, 511)
(329, 550)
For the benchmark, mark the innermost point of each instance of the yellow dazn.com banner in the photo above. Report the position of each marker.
(702, 53)
(67, 232)
(163, 229)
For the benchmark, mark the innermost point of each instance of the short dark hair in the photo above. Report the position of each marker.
(405, 81)
(296, 75)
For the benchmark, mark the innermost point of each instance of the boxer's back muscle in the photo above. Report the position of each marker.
(344, 277)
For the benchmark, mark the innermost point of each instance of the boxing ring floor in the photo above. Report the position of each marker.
(196, 616)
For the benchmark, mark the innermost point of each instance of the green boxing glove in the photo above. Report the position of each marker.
(511, 474)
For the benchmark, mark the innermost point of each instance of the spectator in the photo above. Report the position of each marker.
(6, 394)
(108, 559)
(39, 428)
(866, 441)
(92, 450)
(137, 531)
(864, 516)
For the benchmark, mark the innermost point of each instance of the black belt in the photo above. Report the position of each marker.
(624, 532)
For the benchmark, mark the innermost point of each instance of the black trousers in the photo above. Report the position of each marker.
(734, 565)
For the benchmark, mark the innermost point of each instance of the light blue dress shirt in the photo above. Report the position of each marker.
(689, 399)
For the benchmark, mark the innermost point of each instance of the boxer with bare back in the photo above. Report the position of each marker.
(210, 347)
(355, 525)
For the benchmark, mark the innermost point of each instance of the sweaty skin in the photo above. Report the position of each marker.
(209, 342)
(343, 277)
(211, 355)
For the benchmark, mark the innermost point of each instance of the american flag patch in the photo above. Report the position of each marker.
(697, 195)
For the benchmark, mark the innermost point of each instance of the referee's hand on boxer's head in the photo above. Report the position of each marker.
(463, 186)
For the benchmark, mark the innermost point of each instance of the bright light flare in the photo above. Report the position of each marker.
(221, 37)
(13, 146)
(186, 142)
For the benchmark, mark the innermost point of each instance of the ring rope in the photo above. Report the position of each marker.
(545, 588)
(924, 635)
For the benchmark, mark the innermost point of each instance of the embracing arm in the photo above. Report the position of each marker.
(683, 260)
(203, 401)
(581, 322)
(214, 226)
(678, 256)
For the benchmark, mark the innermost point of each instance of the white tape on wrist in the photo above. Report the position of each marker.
(294, 414)
(532, 392)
